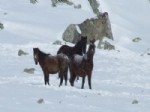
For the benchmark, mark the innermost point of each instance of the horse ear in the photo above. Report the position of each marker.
(93, 40)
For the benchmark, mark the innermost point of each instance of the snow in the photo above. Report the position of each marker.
(119, 76)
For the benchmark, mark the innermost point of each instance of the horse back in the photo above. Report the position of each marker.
(65, 49)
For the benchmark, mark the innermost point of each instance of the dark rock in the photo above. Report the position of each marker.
(40, 101)
(29, 70)
(1, 26)
(21, 52)
(33, 1)
(135, 102)
(137, 39)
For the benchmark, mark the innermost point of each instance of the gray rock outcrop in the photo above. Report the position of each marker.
(94, 5)
(97, 28)
(71, 34)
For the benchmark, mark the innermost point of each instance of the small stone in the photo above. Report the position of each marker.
(21, 52)
(40, 101)
(57, 42)
(135, 102)
(29, 70)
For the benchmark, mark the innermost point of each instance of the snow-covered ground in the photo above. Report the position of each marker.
(119, 76)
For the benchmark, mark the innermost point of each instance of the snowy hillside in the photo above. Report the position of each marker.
(121, 78)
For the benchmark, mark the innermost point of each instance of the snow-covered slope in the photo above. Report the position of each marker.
(129, 19)
(119, 77)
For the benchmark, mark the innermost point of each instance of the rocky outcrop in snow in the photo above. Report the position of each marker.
(97, 28)
(94, 5)
(71, 34)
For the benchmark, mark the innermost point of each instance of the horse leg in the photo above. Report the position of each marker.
(72, 79)
(89, 81)
(83, 81)
(61, 79)
(65, 80)
(66, 75)
(46, 78)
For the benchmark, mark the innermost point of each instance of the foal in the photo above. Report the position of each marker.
(51, 65)
(83, 67)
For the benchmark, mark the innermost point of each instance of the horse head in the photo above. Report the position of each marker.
(36, 55)
(84, 43)
(91, 49)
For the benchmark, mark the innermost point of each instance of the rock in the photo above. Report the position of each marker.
(1, 26)
(105, 45)
(135, 102)
(147, 51)
(33, 1)
(137, 39)
(55, 2)
(29, 70)
(21, 52)
(57, 42)
(40, 101)
(77, 6)
(94, 5)
(71, 34)
(97, 28)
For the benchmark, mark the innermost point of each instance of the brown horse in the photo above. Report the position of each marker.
(83, 66)
(51, 65)
(79, 48)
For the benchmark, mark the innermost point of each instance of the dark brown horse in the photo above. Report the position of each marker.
(51, 65)
(79, 48)
(83, 66)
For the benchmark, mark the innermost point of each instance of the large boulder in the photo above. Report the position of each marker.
(97, 28)
(71, 34)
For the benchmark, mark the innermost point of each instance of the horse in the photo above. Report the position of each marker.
(79, 48)
(82, 66)
(51, 64)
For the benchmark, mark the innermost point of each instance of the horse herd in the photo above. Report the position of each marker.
(76, 59)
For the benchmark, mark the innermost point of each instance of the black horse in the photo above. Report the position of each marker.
(52, 65)
(79, 48)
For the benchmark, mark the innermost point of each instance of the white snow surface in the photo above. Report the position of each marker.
(119, 76)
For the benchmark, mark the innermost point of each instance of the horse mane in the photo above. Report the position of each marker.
(41, 53)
